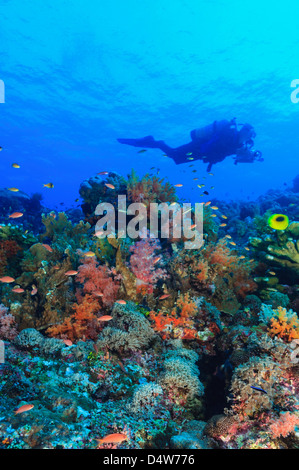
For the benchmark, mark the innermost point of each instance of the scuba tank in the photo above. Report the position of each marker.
(205, 133)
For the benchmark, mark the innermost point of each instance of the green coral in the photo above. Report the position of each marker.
(280, 248)
(65, 237)
(17, 233)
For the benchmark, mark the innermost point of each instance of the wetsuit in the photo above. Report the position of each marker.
(211, 144)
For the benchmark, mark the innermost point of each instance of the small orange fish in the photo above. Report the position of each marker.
(242, 257)
(14, 190)
(227, 236)
(121, 302)
(105, 318)
(67, 342)
(16, 215)
(98, 293)
(222, 225)
(273, 273)
(18, 290)
(215, 208)
(246, 248)
(110, 186)
(233, 243)
(48, 248)
(7, 279)
(89, 254)
(34, 290)
(24, 408)
(71, 273)
(48, 185)
(179, 185)
(208, 203)
(193, 226)
(213, 215)
(164, 296)
(113, 438)
(157, 259)
(224, 216)
(15, 165)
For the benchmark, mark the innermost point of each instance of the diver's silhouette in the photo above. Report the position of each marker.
(211, 144)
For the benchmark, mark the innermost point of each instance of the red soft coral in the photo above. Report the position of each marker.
(97, 279)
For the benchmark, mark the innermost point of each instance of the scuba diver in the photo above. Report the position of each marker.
(211, 144)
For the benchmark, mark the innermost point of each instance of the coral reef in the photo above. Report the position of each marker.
(166, 347)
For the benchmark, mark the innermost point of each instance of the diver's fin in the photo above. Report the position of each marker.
(147, 142)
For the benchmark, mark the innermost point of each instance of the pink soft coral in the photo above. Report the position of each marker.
(143, 264)
(97, 279)
(284, 425)
(8, 329)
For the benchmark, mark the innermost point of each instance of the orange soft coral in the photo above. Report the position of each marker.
(82, 324)
(177, 324)
(284, 325)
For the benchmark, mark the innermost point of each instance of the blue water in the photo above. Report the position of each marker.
(79, 74)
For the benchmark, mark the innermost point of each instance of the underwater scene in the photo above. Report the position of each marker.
(149, 226)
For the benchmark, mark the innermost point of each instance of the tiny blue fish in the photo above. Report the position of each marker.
(142, 381)
(258, 389)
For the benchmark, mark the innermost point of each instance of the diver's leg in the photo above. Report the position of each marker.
(178, 154)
